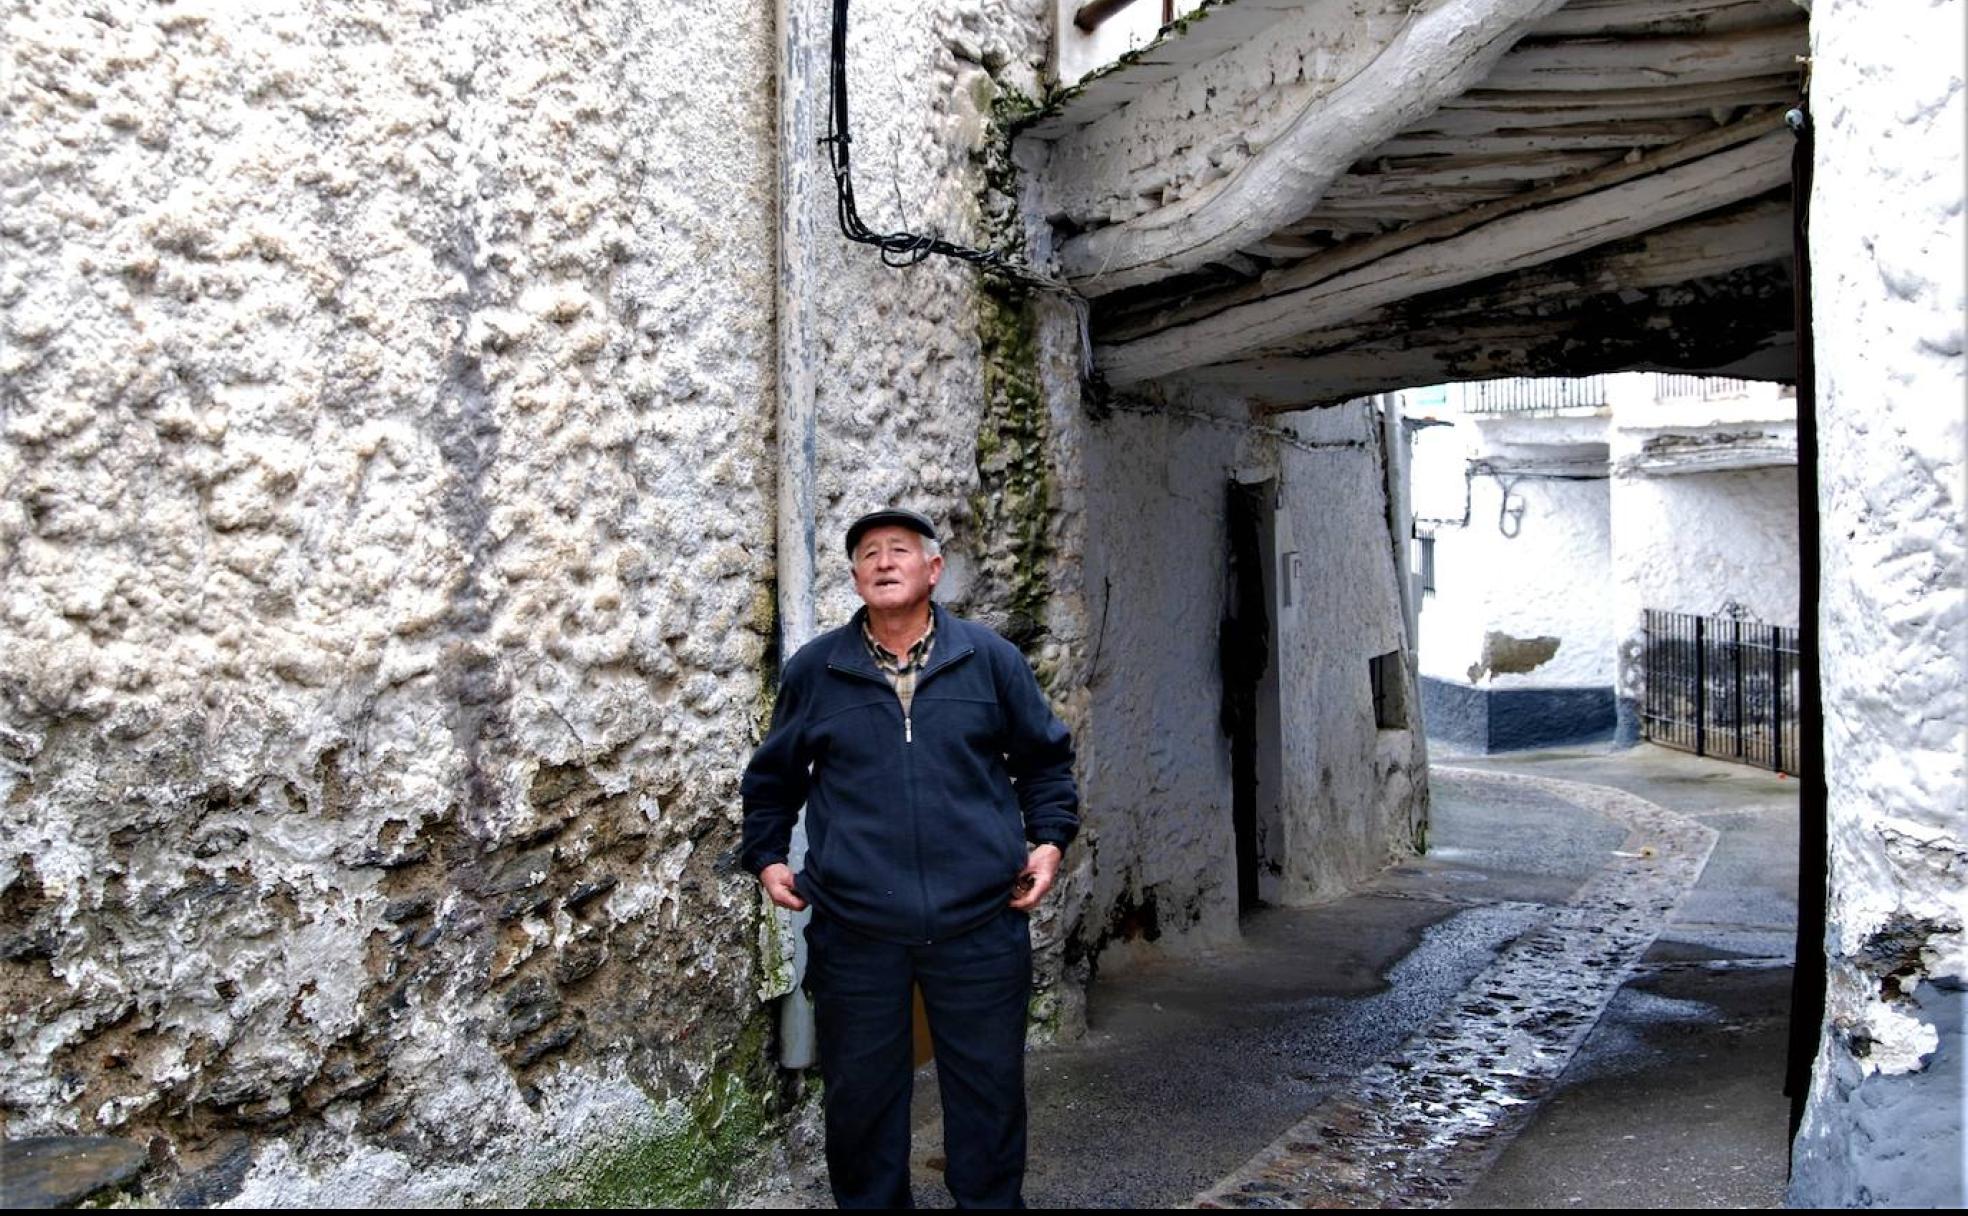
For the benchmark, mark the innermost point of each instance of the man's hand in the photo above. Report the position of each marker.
(777, 879)
(1036, 878)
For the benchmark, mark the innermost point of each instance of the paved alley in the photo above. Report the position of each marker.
(1578, 998)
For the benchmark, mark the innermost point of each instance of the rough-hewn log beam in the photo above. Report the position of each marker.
(1140, 322)
(1446, 47)
(1328, 290)
(1637, 63)
(1521, 323)
(1735, 323)
(1502, 138)
(1745, 235)
(1603, 17)
(1602, 105)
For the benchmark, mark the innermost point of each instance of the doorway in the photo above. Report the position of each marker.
(1248, 650)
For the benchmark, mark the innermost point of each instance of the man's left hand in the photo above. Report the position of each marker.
(1036, 878)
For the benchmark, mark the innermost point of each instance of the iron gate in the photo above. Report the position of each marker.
(1722, 686)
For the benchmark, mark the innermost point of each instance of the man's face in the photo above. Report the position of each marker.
(890, 570)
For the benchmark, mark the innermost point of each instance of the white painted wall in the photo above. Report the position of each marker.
(1707, 543)
(1178, 139)
(1883, 1125)
(1500, 599)
(1160, 781)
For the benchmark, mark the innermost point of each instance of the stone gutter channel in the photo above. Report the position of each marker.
(1420, 1127)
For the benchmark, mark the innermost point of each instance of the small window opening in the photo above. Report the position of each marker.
(1389, 702)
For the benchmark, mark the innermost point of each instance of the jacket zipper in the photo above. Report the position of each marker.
(909, 772)
(908, 715)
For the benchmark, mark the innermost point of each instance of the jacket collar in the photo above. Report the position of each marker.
(850, 652)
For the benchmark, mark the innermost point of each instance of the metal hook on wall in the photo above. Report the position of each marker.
(1510, 516)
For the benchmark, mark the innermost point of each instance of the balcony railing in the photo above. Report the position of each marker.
(1670, 387)
(1533, 396)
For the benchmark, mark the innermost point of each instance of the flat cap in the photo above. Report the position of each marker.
(888, 517)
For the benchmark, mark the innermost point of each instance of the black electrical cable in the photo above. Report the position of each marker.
(898, 249)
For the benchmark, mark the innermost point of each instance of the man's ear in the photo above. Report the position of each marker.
(935, 569)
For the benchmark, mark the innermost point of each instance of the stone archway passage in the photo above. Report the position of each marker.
(1417, 1128)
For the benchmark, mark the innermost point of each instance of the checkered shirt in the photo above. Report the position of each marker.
(902, 671)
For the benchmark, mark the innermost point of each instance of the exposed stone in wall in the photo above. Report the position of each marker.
(1883, 1124)
(1522, 570)
(1180, 137)
(386, 560)
(949, 392)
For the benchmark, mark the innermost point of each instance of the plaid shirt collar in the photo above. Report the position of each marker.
(902, 672)
(897, 666)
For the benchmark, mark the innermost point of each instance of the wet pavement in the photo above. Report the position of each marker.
(1577, 998)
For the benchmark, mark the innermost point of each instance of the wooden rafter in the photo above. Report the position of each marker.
(1357, 254)
(1446, 47)
(1705, 294)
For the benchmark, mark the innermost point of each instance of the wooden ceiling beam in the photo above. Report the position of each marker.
(1749, 234)
(1594, 64)
(1493, 138)
(1586, 319)
(1443, 49)
(1355, 254)
(1590, 18)
(1637, 101)
(1493, 239)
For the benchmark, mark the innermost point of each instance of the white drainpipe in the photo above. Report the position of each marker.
(802, 35)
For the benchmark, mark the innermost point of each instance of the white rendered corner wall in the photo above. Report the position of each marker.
(1883, 1123)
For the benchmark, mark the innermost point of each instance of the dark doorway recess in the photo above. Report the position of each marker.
(1244, 649)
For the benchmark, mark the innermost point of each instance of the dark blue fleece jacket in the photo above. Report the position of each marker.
(916, 830)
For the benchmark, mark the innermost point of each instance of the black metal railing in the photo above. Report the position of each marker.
(1533, 395)
(1722, 686)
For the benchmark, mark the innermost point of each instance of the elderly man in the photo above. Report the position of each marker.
(939, 793)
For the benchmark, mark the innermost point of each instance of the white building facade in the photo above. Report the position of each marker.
(1551, 516)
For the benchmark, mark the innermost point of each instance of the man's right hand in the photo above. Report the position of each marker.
(777, 879)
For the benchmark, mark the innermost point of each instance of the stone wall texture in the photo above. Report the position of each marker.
(387, 407)
(1180, 139)
(387, 421)
(1883, 1126)
(1523, 552)
(1708, 543)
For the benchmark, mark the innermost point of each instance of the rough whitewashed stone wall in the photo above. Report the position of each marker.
(1156, 567)
(1883, 1124)
(1356, 793)
(387, 547)
(1178, 138)
(1529, 609)
(945, 391)
(1521, 514)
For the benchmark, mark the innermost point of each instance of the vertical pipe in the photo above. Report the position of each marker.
(800, 33)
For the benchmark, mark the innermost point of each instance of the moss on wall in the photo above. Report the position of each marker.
(1012, 506)
(694, 1153)
(1010, 511)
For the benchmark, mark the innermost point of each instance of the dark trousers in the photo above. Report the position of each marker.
(975, 989)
